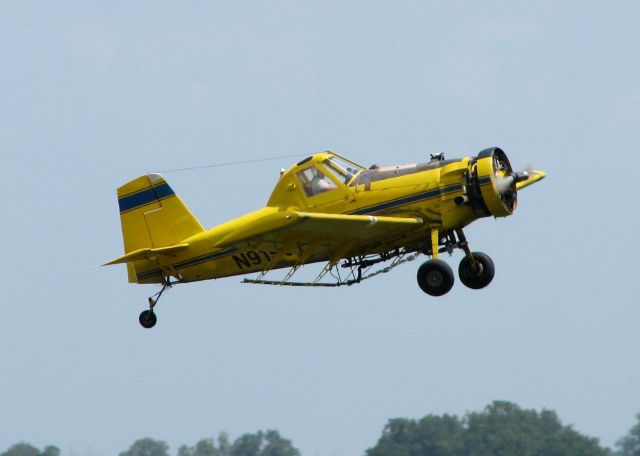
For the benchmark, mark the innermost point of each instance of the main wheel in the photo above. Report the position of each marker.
(479, 277)
(435, 277)
(147, 319)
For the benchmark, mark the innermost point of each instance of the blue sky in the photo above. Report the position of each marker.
(96, 93)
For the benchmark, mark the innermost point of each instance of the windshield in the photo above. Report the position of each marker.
(343, 170)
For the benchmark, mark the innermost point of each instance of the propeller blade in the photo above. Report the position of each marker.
(504, 183)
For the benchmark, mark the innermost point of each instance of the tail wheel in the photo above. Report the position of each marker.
(148, 319)
(479, 276)
(435, 277)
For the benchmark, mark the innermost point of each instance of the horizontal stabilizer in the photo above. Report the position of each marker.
(146, 254)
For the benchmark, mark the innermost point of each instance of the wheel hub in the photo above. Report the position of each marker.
(477, 271)
(434, 278)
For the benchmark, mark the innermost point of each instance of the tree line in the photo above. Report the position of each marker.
(502, 428)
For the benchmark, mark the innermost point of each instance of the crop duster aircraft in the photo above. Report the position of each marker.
(326, 209)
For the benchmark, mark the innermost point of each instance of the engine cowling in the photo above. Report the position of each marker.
(495, 182)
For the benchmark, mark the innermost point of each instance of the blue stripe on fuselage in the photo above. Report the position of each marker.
(408, 200)
(190, 262)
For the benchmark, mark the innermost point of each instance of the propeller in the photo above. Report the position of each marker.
(500, 198)
(506, 182)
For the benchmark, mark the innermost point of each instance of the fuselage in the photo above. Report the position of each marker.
(439, 193)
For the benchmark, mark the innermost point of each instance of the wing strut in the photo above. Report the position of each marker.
(305, 256)
(334, 260)
(399, 258)
(286, 247)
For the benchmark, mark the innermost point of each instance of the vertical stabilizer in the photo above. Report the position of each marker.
(152, 215)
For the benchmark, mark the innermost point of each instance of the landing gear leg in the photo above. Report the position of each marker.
(435, 277)
(148, 318)
(476, 269)
(464, 245)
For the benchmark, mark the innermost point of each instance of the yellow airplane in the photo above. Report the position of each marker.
(327, 209)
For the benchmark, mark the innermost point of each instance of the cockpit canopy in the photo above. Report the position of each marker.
(376, 173)
(326, 173)
(333, 171)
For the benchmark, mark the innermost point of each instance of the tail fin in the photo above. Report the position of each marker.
(152, 215)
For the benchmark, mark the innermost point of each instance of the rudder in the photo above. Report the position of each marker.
(152, 215)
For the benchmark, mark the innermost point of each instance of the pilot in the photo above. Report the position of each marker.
(320, 183)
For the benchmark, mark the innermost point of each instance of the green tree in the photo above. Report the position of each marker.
(224, 445)
(184, 450)
(276, 445)
(21, 449)
(24, 449)
(51, 450)
(629, 445)
(432, 436)
(501, 429)
(207, 447)
(269, 443)
(247, 445)
(147, 447)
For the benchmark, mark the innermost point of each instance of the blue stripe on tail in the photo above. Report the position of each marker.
(147, 196)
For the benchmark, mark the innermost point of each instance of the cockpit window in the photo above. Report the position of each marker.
(315, 181)
(343, 170)
(376, 173)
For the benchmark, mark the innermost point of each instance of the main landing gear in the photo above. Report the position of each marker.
(476, 274)
(435, 277)
(148, 318)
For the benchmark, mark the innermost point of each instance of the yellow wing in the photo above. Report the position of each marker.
(305, 236)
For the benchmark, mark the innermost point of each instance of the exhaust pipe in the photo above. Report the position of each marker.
(461, 200)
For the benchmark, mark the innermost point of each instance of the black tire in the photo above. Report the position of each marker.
(479, 278)
(435, 277)
(147, 319)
